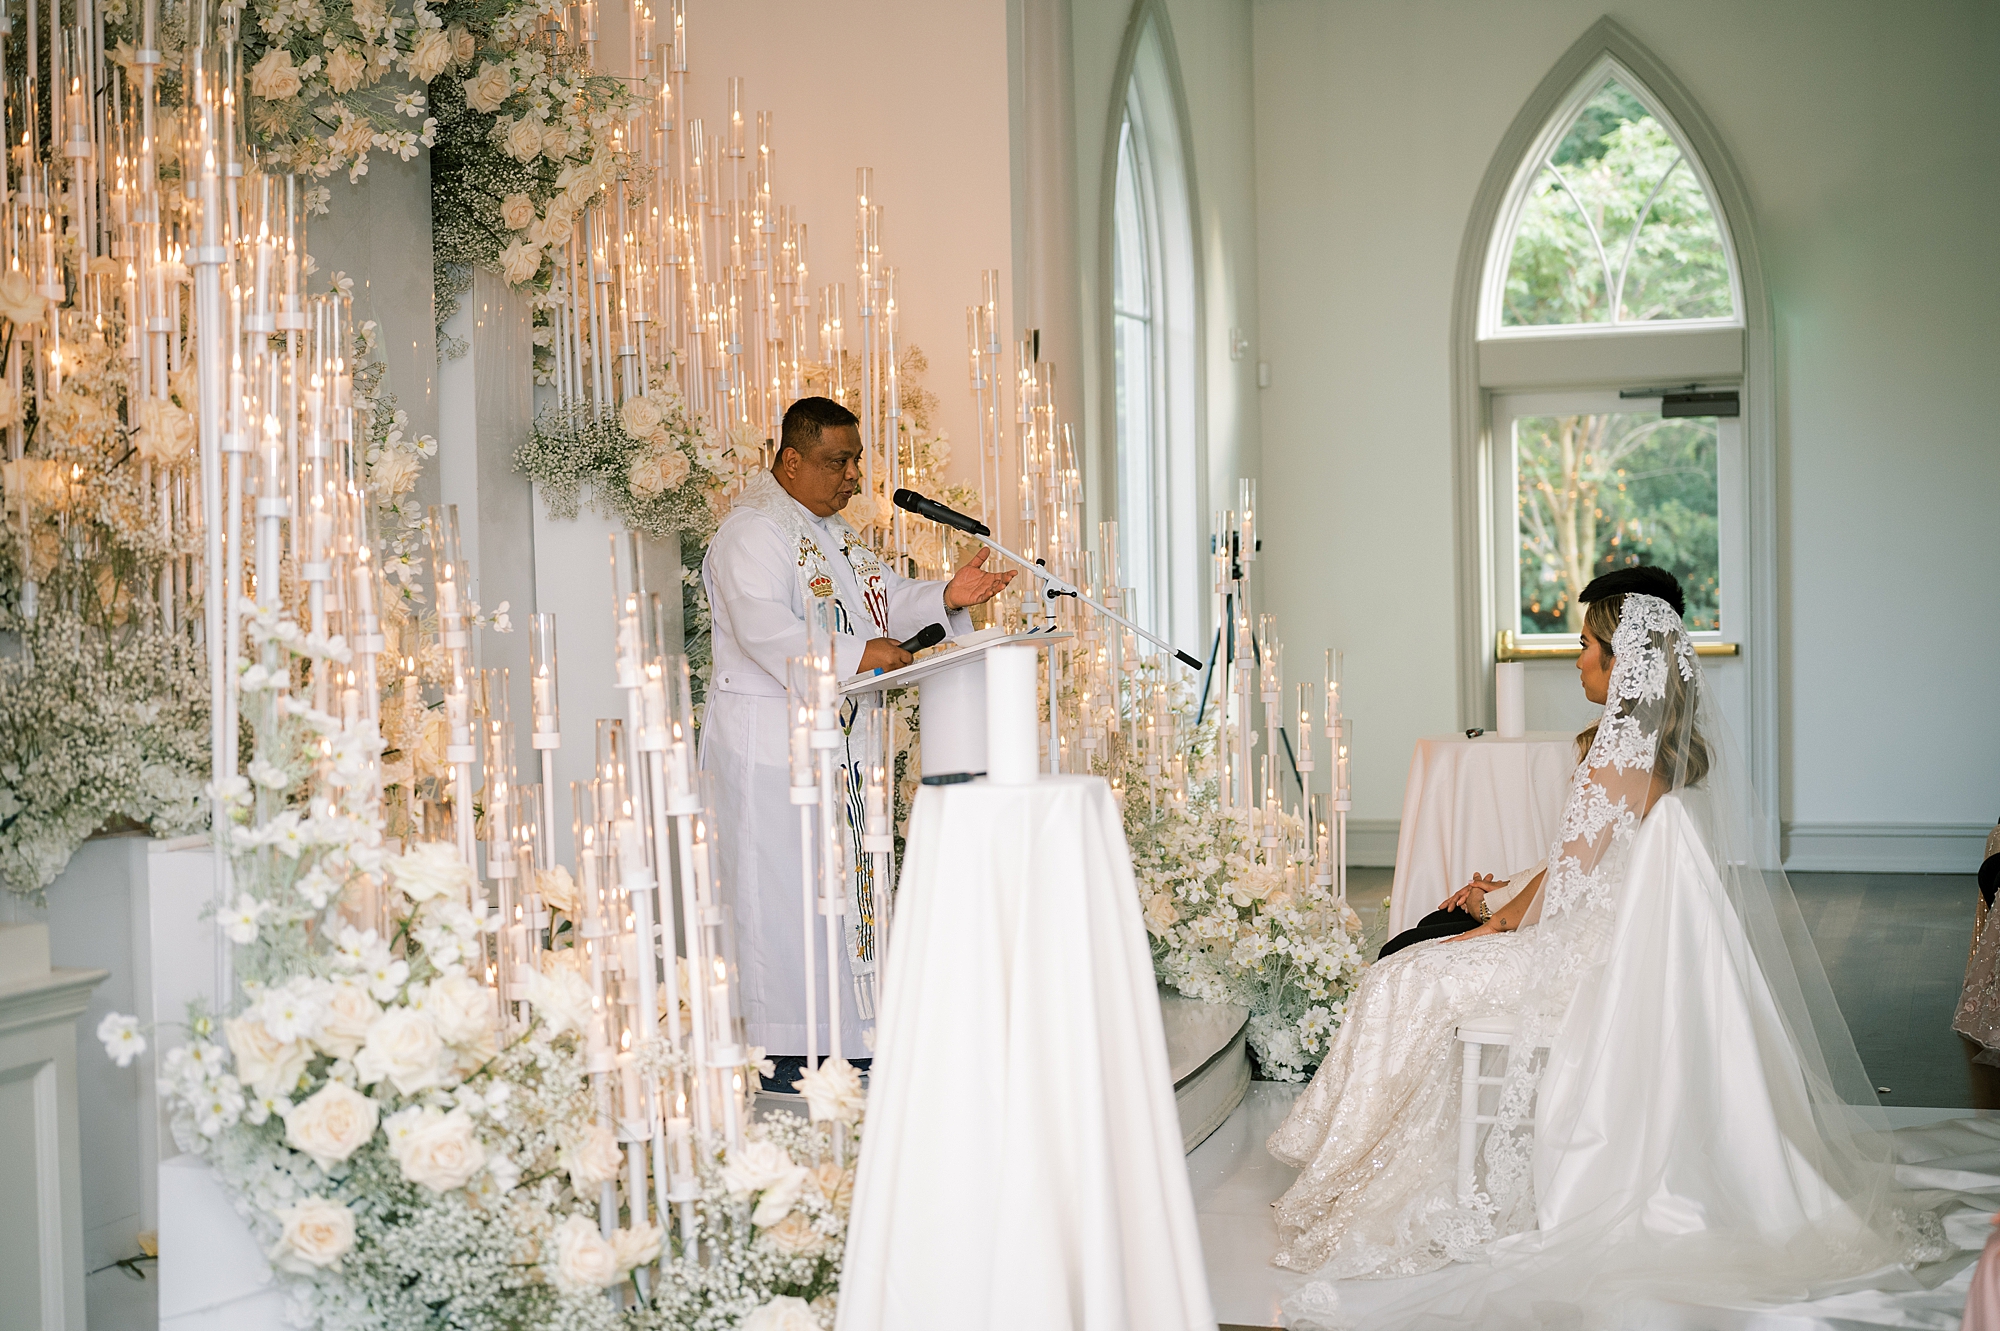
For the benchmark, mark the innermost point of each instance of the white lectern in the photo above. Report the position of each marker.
(951, 693)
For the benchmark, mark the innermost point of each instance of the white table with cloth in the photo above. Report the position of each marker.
(1476, 805)
(1023, 1163)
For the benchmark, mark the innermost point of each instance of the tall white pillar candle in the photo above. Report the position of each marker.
(1510, 690)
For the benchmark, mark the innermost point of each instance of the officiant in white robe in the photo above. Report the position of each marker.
(782, 543)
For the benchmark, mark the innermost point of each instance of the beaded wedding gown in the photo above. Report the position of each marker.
(1682, 1116)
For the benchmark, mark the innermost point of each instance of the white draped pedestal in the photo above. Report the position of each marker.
(1485, 805)
(1023, 1163)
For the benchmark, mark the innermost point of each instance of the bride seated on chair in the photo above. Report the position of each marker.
(1681, 1110)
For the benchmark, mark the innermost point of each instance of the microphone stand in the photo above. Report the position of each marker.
(1053, 586)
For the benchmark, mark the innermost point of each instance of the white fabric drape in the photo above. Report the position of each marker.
(1486, 805)
(1023, 1163)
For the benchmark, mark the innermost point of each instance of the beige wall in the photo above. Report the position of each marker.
(1869, 136)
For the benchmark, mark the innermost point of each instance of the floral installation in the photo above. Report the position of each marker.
(409, 1155)
(1233, 920)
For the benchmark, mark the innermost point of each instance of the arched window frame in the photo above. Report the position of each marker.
(1489, 361)
(1500, 246)
(1150, 115)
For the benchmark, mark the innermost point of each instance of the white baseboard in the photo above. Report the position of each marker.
(1885, 847)
(1371, 842)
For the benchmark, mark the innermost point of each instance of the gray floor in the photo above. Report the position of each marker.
(1894, 947)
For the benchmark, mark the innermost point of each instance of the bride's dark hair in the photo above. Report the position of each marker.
(1683, 756)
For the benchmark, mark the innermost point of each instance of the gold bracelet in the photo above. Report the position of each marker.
(1485, 911)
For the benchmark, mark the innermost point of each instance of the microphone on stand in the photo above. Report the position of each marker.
(936, 512)
(929, 636)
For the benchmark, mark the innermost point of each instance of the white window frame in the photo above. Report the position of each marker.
(1732, 481)
(1500, 247)
(1170, 535)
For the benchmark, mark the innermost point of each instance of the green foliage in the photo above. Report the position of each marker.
(1605, 491)
(1616, 220)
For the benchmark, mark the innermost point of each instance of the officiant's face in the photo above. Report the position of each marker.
(827, 476)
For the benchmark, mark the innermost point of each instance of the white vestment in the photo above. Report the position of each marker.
(757, 601)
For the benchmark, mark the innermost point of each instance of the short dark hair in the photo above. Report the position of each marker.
(1641, 578)
(807, 418)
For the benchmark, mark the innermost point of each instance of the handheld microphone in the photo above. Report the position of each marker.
(930, 636)
(936, 512)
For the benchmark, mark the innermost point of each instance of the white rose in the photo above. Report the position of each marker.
(274, 78)
(583, 1260)
(519, 262)
(1160, 913)
(430, 56)
(432, 869)
(490, 88)
(402, 1046)
(10, 405)
(460, 1007)
(592, 1157)
(463, 47)
(657, 471)
(270, 1065)
(394, 473)
(783, 1313)
(523, 140)
(640, 417)
(442, 1153)
(166, 432)
(554, 228)
(317, 1234)
(331, 1124)
(833, 1092)
(558, 889)
(765, 1168)
(561, 999)
(517, 211)
(635, 1247)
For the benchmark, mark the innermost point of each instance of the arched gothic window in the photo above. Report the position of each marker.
(1153, 321)
(1612, 398)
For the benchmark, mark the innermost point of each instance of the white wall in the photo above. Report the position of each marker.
(916, 89)
(1870, 140)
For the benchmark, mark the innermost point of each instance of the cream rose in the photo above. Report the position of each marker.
(641, 417)
(561, 998)
(765, 1169)
(592, 1157)
(558, 889)
(274, 78)
(794, 1236)
(657, 471)
(394, 473)
(555, 226)
(583, 1260)
(402, 1046)
(1160, 913)
(430, 57)
(331, 1124)
(10, 405)
(517, 212)
(317, 1233)
(432, 869)
(166, 432)
(783, 1313)
(519, 262)
(835, 1184)
(349, 1013)
(460, 1007)
(463, 47)
(635, 1247)
(833, 1092)
(370, 14)
(489, 88)
(443, 1154)
(269, 1065)
(19, 301)
(523, 140)
(345, 68)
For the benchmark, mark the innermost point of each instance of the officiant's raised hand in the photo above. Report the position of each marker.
(974, 585)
